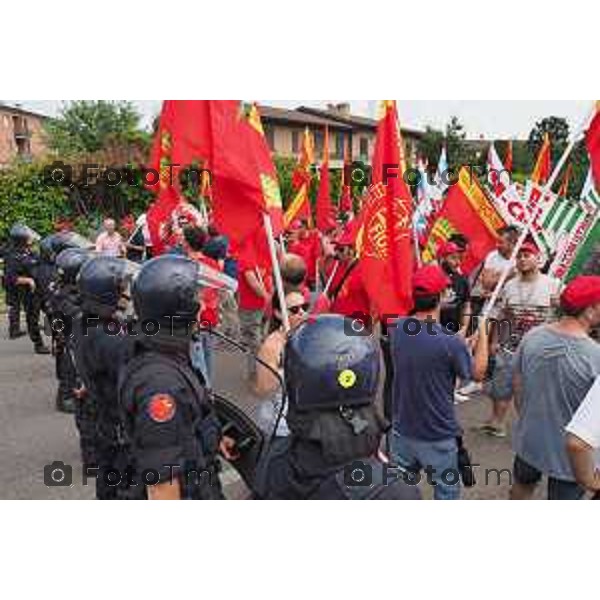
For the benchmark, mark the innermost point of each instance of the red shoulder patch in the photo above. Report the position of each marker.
(161, 408)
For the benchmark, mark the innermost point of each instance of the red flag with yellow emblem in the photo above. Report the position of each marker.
(225, 137)
(385, 240)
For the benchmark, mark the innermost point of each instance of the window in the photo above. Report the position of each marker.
(364, 148)
(295, 141)
(339, 146)
(269, 136)
(319, 136)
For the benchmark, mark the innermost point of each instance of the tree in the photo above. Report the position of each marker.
(430, 146)
(456, 148)
(88, 126)
(558, 131)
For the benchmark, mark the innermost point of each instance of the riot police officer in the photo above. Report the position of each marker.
(21, 264)
(102, 349)
(171, 430)
(332, 453)
(63, 308)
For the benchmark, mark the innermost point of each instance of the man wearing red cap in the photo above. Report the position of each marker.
(527, 300)
(427, 360)
(555, 367)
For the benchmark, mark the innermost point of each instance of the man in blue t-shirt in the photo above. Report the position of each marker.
(427, 361)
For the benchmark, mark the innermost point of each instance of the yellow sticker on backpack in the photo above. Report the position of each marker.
(347, 378)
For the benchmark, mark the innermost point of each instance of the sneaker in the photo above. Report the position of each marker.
(41, 349)
(460, 398)
(497, 432)
(471, 388)
(14, 335)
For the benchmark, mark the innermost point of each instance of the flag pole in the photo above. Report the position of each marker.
(547, 188)
(276, 271)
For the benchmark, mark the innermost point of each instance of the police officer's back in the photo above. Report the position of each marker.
(171, 431)
(331, 381)
(102, 349)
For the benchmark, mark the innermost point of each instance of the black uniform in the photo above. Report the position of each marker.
(170, 428)
(23, 262)
(102, 349)
(331, 379)
(99, 357)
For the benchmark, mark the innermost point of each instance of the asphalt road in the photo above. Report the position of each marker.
(33, 434)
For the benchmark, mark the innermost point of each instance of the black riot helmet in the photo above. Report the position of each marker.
(20, 234)
(326, 367)
(103, 281)
(167, 290)
(69, 263)
(55, 243)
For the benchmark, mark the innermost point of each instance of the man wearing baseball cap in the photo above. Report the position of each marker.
(555, 367)
(427, 360)
(527, 300)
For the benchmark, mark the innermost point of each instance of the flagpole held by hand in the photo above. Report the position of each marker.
(276, 271)
(547, 187)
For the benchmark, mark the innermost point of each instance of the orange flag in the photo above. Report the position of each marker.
(564, 186)
(386, 246)
(543, 163)
(299, 208)
(324, 208)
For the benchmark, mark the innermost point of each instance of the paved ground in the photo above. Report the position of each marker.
(33, 434)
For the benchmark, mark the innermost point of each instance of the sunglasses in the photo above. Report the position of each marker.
(295, 310)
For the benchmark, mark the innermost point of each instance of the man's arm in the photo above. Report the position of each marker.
(164, 491)
(581, 456)
(256, 285)
(481, 355)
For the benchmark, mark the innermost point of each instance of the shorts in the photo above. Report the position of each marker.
(500, 385)
(558, 489)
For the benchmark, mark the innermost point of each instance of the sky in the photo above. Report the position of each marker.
(492, 119)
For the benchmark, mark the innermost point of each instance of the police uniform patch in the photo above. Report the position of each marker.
(347, 378)
(161, 408)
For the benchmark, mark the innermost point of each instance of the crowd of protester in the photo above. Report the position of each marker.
(533, 358)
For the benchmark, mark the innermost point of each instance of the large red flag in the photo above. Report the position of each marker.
(324, 208)
(469, 211)
(592, 141)
(386, 247)
(226, 137)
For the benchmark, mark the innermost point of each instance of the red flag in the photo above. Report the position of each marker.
(469, 211)
(226, 137)
(543, 163)
(324, 208)
(386, 247)
(345, 204)
(299, 208)
(508, 160)
(592, 141)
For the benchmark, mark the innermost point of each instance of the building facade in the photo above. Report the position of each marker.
(21, 134)
(284, 129)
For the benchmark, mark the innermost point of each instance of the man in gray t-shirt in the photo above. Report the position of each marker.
(555, 366)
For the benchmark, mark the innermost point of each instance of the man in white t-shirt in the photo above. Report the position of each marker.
(583, 440)
(110, 242)
(527, 300)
